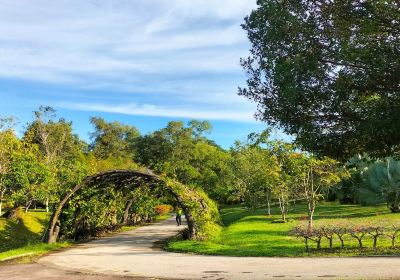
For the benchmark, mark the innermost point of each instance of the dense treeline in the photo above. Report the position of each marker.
(42, 165)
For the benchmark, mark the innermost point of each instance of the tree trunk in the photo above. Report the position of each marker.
(268, 204)
(282, 207)
(311, 209)
(341, 241)
(126, 212)
(28, 204)
(1, 202)
(2, 192)
(360, 242)
(375, 242)
(310, 221)
(47, 205)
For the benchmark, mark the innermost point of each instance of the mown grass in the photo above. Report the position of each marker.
(30, 252)
(253, 233)
(26, 230)
(22, 236)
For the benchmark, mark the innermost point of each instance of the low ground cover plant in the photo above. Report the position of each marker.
(375, 231)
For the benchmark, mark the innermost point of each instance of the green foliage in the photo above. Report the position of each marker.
(181, 152)
(26, 178)
(9, 144)
(255, 175)
(252, 233)
(381, 182)
(112, 139)
(327, 73)
(203, 209)
(91, 212)
(26, 229)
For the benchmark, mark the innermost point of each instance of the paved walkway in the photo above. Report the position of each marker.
(135, 253)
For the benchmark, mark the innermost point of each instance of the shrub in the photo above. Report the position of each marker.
(375, 231)
(340, 230)
(359, 232)
(356, 231)
(393, 230)
(162, 209)
(328, 232)
(301, 232)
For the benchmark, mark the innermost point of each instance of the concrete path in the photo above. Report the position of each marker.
(135, 253)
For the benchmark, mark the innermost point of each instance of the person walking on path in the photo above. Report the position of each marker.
(179, 216)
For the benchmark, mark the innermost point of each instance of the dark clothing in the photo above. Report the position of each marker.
(178, 219)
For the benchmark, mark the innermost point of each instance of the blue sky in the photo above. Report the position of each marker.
(142, 63)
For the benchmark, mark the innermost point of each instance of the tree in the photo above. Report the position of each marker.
(112, 139)
(316, 177)
(327, 73)
(27, 178)
(57, 144)
(256, 172)
(285, 183)
(9, 144)
(214, 173)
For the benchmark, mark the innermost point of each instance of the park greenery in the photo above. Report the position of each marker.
(252, 232)
(48, 160)
(325, 72)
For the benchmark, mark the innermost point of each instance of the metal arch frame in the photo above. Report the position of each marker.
(120, 178)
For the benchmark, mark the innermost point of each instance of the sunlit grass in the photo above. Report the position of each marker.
(32, 251)
(253, 233)
(22, 236)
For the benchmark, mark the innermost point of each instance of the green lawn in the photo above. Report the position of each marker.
(23, 236)
(252, 233)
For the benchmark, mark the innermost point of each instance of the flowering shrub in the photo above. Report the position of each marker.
(162, 209)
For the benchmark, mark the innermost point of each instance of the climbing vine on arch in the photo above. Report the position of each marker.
(103, 201)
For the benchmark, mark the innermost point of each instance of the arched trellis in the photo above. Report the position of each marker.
(132, 179)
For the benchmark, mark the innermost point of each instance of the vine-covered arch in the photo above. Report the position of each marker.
(201, 212)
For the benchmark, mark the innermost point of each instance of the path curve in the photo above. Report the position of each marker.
(135, 253)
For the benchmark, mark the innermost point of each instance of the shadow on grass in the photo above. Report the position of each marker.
(15, 235)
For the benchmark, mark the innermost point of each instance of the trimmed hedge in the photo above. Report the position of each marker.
(359, 232)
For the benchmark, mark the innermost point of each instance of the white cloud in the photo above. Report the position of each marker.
(186, 50)
(162, 111)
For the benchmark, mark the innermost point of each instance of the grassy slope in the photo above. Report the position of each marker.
(252, 233)
(23, 236)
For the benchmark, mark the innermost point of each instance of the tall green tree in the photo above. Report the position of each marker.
(255, 173)
(315, 177)
(57, 145)
(327, 72)
(9, 144)
(27, 178)
(112, 139)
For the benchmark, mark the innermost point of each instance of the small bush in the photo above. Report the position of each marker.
(359, 232)
(162, 209)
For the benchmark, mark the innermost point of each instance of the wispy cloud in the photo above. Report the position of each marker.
(161, 111)
(63, 38)
(136, 52)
